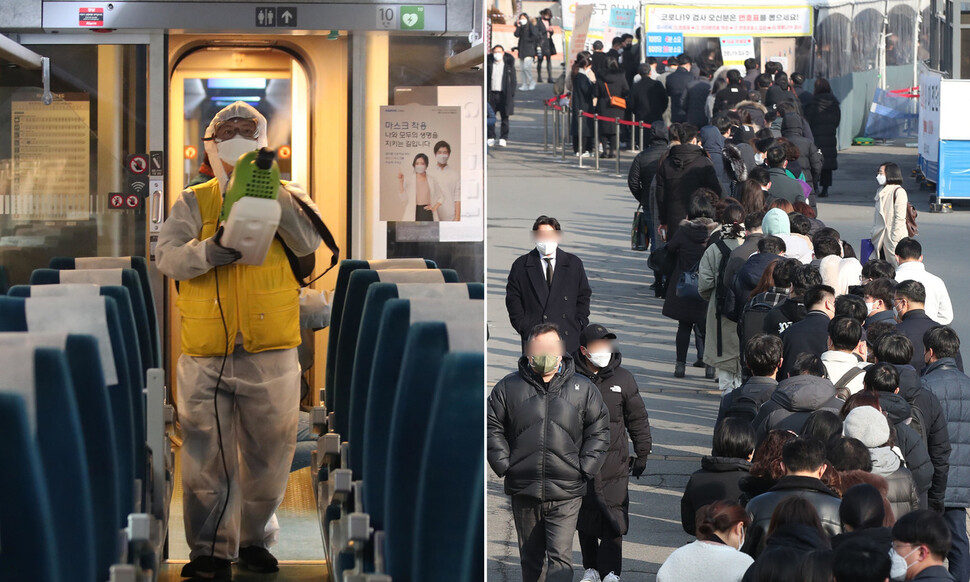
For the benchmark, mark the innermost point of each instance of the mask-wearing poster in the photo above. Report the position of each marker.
(420, 164)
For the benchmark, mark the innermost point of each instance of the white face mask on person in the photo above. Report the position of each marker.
(420, 168)
(497, 56)
(869, 306)
(231, 149)
(899, 564)
(546, 247)
(600, 359)
(442, 159)
(523, 21)
(881, 179)
(759, 158)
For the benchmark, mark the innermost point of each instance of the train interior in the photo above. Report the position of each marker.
(103, 107)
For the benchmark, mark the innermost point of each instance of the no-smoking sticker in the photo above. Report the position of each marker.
(138, 164)
(116, 200)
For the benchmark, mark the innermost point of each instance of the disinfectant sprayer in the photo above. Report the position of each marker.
(250, 210)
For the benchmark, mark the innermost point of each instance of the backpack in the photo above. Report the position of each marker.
(752, 323)
(911, 228)
(842, 386)
(918, 423)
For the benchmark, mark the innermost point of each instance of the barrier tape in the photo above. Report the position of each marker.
(552, 100)
(614, 120)
(910, 92)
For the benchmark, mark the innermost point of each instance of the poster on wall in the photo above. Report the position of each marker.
(51, 161)
(664, 45)
(420, 163)
(730, 21)
(778, 50)
(621, 21)
(736, 49)
(577, 40)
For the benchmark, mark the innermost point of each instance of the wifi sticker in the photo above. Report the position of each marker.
(412, 17)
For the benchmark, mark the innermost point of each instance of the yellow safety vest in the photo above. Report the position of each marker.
(263, 302)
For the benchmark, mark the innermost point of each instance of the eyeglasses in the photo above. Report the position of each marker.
(247, 128)
(864, 280)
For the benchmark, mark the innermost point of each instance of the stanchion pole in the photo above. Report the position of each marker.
(545, 128)
(555, 130)
(643, 146)
(616, 142)
(565, 132)
(596, 141)
(579, 131)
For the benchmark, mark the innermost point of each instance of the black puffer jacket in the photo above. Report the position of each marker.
(914, 449)
(952, 388)
(793, 401)
(685, 169)
(547, 442)
(932, 429)
(902, 495)
(825, 501)
(605, 509)
(718, 479)
(824, 116)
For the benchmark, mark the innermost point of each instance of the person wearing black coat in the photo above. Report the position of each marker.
(598, 57)
(604, 516)
(797, 537)
(914, 450)
(548, 433)
(648, 98)
(531, 299)
(677, 84)
(694, 100)
(810, 160)
(720, 474)
(610, 83)
(501, 90)
(687, 246)
(547, 45)
(914, 323)
(952, 387)
(745, 280)
(810, 335)
(527, 50)
(581, 100)
(804, 459)
(734, 93)
(643, 168)
(685, 169)
(824, 114)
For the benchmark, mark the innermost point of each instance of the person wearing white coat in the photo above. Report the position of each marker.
(889, 222)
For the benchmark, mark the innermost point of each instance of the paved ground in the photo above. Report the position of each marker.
(595, 210)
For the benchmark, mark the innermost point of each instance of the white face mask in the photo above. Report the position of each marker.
(547, 247)
(442, 159)
(881, 179)
(522, 21)
(420, 168)
(741, 542)
(497, 56)
(899, 565)
(231, 149)
(759, 158)
(869, 306)
(600, 359)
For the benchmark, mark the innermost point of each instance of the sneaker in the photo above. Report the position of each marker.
(679, 370)
(502, 143)
(522, 88)
(699, 363)
(532, 87)
(208, 568)
(490, 142)
(587, 155)
(611, 577)
(256, 559)
(591, 575)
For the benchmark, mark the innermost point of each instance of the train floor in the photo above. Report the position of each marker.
(300, 549)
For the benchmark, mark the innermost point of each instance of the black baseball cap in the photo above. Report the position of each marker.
(593, 332)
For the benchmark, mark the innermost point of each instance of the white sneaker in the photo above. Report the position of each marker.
(502, 143)
(587, 155)
(490, 142)
(591, 575)
(532, 87)
(522, 88)
(611, 577)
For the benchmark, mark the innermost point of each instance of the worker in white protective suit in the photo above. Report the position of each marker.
(253, 360)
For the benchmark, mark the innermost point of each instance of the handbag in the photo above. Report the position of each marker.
(911, 228)
(614, 101)
(639, 241)
(866, 250)
(687, 284)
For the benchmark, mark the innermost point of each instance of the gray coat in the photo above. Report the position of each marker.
(547, 441)
(952, 387)
(793, 401)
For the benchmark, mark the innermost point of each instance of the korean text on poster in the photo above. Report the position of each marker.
(415, 185)
(786, 21)
(664, 44)
(736, 49)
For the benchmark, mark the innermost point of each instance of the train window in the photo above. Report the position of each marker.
(64, 185)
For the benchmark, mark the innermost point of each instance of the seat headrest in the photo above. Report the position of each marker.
(66, 290)
(96, 276)
(411, 276)
(17, 377)
(385, 264)
(451, 291)
(88, 263)
(462, 318)
(52, 339)
(82, 315)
